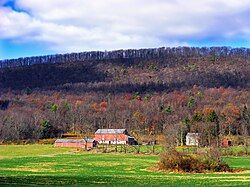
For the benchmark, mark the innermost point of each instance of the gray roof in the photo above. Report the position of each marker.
(70, 141)
(110, 131)
(193, 134)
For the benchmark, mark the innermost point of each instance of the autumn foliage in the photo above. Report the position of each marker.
(170, 96)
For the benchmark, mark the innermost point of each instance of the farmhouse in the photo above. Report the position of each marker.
(193, 139)
(86, 143)
(114, 136)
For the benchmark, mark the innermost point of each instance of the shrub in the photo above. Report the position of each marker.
(198, 163)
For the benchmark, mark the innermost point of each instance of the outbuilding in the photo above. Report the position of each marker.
(193, 139)
(226, 142)
(90, 143)
(86, 143)
(70, 143)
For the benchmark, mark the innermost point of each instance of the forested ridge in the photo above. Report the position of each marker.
(168, 91)
(163, 52)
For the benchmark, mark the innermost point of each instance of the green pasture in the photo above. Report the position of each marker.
(33, 165)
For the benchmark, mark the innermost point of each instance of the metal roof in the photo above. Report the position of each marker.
(110, 131)
(193, 134)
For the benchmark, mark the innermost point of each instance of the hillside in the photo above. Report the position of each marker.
(162, 72)
(143, 92)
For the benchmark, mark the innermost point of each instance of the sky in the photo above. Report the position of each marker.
(39, 27)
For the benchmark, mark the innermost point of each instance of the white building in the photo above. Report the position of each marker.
(193, 139)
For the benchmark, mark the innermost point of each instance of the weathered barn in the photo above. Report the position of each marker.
(114, 136)
(193, 139)
(76, 143)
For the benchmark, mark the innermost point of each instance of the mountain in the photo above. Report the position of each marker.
(145, 70)
(147, 91)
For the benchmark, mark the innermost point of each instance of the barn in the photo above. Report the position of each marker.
(226, 142)
(114, 136)
(86, 143)
(193, 139)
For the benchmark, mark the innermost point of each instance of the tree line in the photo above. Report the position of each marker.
(163, 52)
(214, 112)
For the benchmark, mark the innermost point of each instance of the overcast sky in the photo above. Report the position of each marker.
(36, 27)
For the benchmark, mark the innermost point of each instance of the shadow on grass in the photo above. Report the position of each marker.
(38, 180)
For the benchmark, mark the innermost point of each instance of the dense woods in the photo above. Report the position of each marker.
(168, 91)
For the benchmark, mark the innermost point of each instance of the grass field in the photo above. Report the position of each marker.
(45, 165)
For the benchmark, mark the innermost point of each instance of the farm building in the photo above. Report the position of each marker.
(76, 143)
(193, 139)
(114, 136)
(226, 142)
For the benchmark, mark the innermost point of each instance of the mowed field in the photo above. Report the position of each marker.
(32, 165)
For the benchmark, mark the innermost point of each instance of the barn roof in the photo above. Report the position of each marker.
(69, 141)
(110, 131)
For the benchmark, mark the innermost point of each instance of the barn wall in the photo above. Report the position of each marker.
(192, 141)
(73, 145)
(111, 138)
(89, 145)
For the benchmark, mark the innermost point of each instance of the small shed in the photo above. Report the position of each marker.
(90, 143)
(193, 139)
(226, 142)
